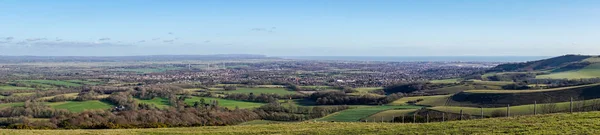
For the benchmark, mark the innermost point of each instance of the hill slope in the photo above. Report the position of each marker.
(578, 123)
(499, 98)
(562, 67)
(545, 64)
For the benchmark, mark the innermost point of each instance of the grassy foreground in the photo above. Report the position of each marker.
(578, 123)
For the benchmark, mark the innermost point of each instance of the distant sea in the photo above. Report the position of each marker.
(423, 58)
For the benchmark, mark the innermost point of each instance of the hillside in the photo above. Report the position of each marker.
(539, 65)
(562, 67)
(578, 123)
(499, 98)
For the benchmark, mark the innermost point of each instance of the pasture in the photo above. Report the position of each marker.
(367, 89)
(358, 113)
(280, 91)
(79, 106)
(5, 105)
(445, 81)
(521, 109)
(578, 123)
(389, 115)
(438, 100)
(50, 83)
(158, 102)
(9, 87)
(590, 71)
(231, 104)
(528, 91)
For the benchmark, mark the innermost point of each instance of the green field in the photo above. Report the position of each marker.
(445, 81)
(280, 91)
(515, 110)
(50, 83)
(231, 104)
(528, 91)
(76, 106)
(8, 87)
(68, 95)
(438, 100)
(578, 123)
(356, 114)
(84, 82)
(261, 122)
(452, 89)
(367, 89)
(158, 102)
(590, 71)
(389, 115)
(4, 105)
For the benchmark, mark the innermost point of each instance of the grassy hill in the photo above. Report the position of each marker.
(589, 71)
(499, 98)
(356, 114)
(577, 123)
(562, 67)
(545, 64)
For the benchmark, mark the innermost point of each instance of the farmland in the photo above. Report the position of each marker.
(75, 106)
(271, 93)
(280, 91)
(388, 116)
(438, 100)
(591, 71)
(578, 123)
(356, 114)
(14, 88)
(231, 104)
(50, 82)
(158, 102)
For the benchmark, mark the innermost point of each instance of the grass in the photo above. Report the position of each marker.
(593, 59)
(76, 106)
(389, 115)
(5, 105)
(50, 82)
(492, 83)
(231, 104)
(438, 100)
(445, 81)
(367, 89)
(452, 89)
(356, 114)
(261, 122)
(515, 110)
(84, 82)
(8, 87)
(68, 95)
(528, 91)
(590, 71)
(158, 102)
(280, 91)
(578, 123)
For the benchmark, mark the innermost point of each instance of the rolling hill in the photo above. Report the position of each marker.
(562, 67)
(499, 98)
(578, 123)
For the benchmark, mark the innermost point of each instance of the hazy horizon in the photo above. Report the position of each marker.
(300, 28)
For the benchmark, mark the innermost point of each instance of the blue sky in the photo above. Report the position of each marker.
(300, 28)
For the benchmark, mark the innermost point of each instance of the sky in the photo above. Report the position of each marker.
(300, 28)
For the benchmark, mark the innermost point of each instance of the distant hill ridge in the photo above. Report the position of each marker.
(556, 64)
